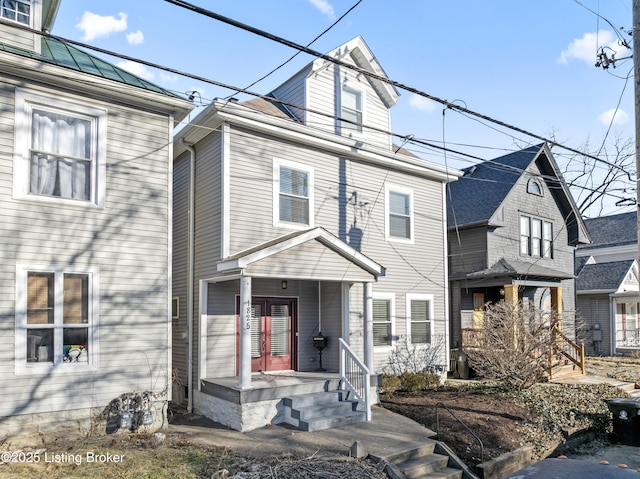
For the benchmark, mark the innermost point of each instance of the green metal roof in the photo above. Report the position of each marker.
(58, 53)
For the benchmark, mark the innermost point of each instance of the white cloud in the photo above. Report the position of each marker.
(137, 69)
(96, 26)
(421, 103)
(614, 117)
(325, 8)
(135, 38)
(586, 48)
(167, 78)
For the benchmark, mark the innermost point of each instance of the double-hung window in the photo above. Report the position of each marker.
(351, 109)
(399, 213)
(383, 319)
(536, 237)
(59, 148)
(293, 194)
(420, 318)
(16, 10)
(56, 314)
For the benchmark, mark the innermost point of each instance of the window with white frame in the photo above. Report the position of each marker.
(293, 194)
(60, 150)
(383, 319)
(420, 318)
(351, 109)
(534, 188)
(399, 213)
(536, 237)
(55, 317)
(16, 10)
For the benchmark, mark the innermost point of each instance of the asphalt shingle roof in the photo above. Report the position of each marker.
(603, 276)
(613, 230)
(474, 197)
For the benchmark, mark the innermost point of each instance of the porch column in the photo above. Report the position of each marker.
(556, 303)
(245, 333)
(368, 326)
(511, 292)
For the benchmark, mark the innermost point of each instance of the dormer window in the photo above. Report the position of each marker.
(534, 188)
(16, 10)
(351, 109)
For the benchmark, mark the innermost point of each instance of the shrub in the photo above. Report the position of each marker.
(390, 384)
(420, 381)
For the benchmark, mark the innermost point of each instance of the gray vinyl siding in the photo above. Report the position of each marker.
(127, 241)
(417, 268)
(179, 265)
(595, 309)
(292, 92)
(467, 250)
(16, 37)
(321, 97)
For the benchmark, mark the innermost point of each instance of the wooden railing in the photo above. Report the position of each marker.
(566, 347)
(472, 338)
(354, 375)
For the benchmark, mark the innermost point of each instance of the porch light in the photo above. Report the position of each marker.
(284, 284)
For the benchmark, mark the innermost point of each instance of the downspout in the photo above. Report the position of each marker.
(190, 268)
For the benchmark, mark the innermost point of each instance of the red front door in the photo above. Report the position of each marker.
(272, 327)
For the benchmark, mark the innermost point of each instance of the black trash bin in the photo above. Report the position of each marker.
(626, 420)
(462, 365)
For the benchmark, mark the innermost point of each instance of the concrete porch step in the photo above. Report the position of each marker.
(317, 411)
(422, 462)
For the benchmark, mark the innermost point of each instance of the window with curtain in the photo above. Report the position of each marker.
(16, 10)
(351, 109)
(55, 322)
(60, 150)
(60, 162)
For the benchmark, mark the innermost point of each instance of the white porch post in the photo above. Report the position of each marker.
(368, 326)
(245, 333)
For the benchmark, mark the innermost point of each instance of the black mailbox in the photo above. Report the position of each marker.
(320, 341)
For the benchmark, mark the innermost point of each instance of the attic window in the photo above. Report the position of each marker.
(534, 187)
(16, 10)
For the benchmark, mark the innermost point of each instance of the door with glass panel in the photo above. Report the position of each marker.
(272, 328)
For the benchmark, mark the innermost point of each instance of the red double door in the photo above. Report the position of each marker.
(273, 323)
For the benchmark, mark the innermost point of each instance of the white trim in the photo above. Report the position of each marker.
(57, 366)
(170, 263)
(388, 188)
(277, 164)
(391, 297)
(350, 84)
(202, 332)
(320, 234)
(226, 190)
(420, 297)
(25, 100)
(447, 286)
(346, 311)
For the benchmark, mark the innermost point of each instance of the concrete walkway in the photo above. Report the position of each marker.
(385, 434)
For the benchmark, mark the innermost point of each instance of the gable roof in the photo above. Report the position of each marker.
(613, 230)
(475, 198)
(364, 58)
(603, 276)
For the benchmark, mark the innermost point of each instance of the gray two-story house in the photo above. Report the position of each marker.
(85, 237)
(513, 229)
(296, 221)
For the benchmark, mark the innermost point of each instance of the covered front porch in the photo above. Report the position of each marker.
(262, 318)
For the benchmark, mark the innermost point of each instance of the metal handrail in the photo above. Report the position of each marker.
(438, 405)
(356, 379)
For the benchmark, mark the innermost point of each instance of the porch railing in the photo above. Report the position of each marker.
(354, 375)
(629, 338)
(473, 338)
(566, 347)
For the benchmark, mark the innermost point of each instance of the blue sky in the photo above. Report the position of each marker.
(529, 63)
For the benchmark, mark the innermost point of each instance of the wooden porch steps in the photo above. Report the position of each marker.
(321, 410)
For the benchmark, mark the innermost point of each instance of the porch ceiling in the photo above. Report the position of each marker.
(313, 254)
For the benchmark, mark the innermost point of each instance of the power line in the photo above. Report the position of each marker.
(381, 78)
